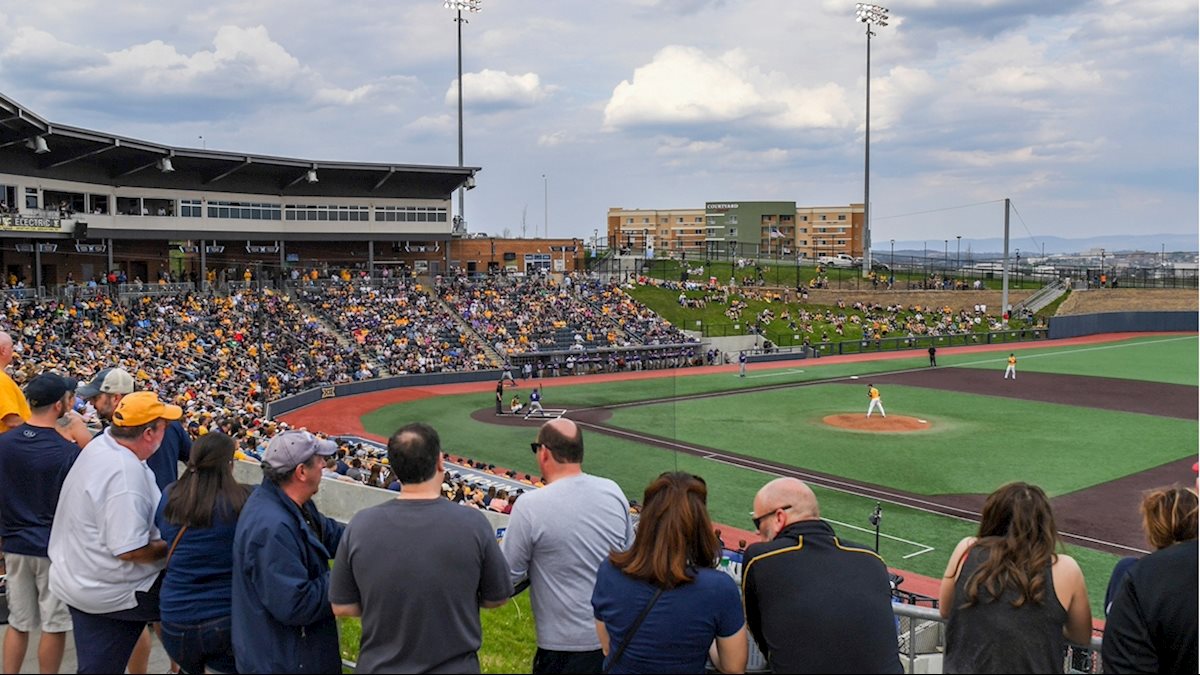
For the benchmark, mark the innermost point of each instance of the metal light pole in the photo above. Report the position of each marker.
(471, 7)
(877, 16)
(892, 262)
(957, 254)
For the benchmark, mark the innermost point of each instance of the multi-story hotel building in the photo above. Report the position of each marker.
(739, 228)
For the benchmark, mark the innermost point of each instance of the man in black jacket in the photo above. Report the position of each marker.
(1152, 625)
(815, 604)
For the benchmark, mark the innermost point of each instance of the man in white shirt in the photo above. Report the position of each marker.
(557, 537)
(105, 551)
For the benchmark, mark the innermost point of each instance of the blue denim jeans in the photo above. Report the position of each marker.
(207, 645)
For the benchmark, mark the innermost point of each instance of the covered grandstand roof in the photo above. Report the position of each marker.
(30, 145)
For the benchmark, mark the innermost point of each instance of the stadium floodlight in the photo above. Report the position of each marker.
(311, 176)
(872, 15)
(38, 145)
(164, 165)
(471, 7)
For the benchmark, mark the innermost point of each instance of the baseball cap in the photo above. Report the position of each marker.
(143, 407)
(290, 449)
(108, 381)
(47, 389)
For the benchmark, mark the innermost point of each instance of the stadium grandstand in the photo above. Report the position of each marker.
(79, 203)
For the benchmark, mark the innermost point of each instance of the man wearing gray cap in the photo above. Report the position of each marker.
(105, 392)
(282, 619)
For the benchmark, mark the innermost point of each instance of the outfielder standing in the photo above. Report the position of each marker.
(741, 364)
(876, 401)
(1012, 367)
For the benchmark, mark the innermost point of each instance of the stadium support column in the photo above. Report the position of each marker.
(109, 248)
(371, 258)
(37, 268)
(203, 265)
(282, 261)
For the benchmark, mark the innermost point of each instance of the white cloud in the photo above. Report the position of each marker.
(498, 90)
(244, 64)
(685, 86)
(552, 139)
(436, 124)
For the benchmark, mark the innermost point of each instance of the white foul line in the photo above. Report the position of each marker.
(924, 548)
(775, 373)
(837, 485)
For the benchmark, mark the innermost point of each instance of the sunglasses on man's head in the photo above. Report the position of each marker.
(535, 446)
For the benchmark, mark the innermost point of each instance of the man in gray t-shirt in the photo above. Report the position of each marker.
(417, 569)
(557, 538)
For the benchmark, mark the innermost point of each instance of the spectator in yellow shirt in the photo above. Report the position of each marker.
(14, 409)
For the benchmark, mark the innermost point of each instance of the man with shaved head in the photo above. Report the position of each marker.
(815, 603)
(557, 537)
(14, 409)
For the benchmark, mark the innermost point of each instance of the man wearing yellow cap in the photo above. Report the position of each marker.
(105, 551)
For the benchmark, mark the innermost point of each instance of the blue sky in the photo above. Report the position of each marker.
(1083, 112)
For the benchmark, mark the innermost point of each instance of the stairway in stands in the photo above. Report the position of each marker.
(496, 359)
(343, 339)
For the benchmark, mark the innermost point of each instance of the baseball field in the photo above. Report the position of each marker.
(1094, 421)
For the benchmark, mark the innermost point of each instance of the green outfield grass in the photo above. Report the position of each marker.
(978, 442)
(975, 443)
(1163, 358)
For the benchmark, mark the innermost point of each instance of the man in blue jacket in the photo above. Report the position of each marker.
(282, 619)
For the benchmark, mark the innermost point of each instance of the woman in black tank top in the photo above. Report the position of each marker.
(1010, 599)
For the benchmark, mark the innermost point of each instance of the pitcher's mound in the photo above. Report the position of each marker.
(889, 424)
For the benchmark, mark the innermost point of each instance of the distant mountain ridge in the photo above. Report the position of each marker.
(1117, 243)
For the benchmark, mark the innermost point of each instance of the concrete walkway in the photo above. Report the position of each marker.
(159, 663)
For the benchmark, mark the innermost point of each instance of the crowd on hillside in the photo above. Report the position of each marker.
(790, 311)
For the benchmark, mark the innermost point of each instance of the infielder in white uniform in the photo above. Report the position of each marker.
(1012, 367)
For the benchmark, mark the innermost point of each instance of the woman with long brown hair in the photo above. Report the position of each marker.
(660, 606)
(1011, 599)
(197, 517)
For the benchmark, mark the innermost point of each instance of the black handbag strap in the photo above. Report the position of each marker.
(632, 631)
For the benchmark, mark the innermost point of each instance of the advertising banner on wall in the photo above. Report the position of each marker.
(19, 223)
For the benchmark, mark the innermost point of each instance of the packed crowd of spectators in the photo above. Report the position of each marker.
(402, 328)
(516, 315)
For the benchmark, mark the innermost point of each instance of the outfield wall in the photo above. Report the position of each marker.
(295, 402)
(1123, 322)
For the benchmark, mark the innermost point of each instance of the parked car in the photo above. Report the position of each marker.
(839, 260)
